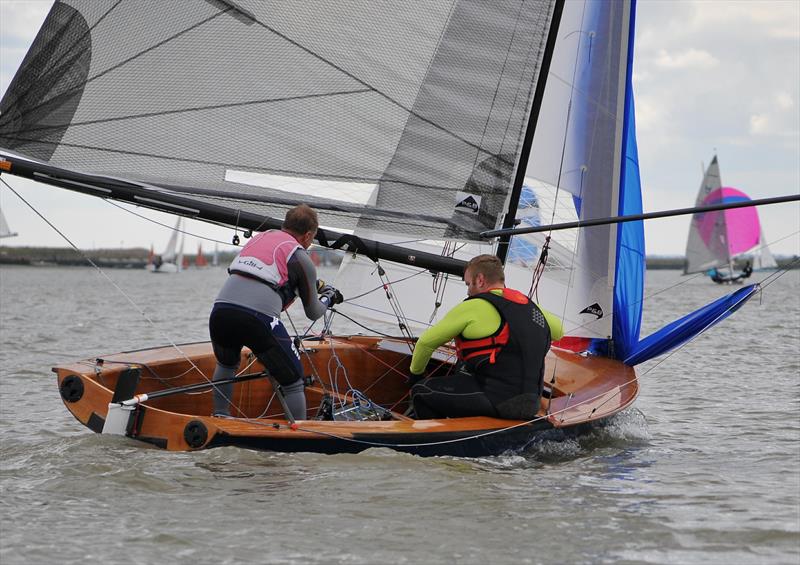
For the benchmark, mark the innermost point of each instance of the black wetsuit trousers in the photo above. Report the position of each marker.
(453, 396)
(232, 327)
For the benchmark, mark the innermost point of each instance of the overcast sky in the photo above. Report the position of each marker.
(709, 75)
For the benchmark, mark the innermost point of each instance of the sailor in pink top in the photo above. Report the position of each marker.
(265, 278)
(266, 256)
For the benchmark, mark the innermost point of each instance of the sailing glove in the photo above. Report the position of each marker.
(330, 296)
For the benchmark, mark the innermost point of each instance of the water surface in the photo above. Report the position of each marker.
(705, 468)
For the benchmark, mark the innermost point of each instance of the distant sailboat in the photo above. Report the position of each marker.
(200, 260)
(215, 257)
(717, 238)
(5, 231)
(169, 261)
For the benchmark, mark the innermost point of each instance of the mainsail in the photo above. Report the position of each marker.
(369, 111)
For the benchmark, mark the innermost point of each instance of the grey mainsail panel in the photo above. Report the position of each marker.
(400, 110)
(702, 254)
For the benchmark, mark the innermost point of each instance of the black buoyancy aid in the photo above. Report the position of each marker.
(510, 361)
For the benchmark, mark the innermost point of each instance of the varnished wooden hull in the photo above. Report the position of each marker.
(586, 390)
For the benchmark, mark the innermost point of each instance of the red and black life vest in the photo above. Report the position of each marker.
(510, 362)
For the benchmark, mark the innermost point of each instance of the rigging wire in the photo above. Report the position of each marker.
(380, 287)
(333, 378)
(779, 273)
(394, 303)
(387, 313)
(171, 227)
(440, 280)
(668, 355)
(130, 300)
(363, 326)
(538, 271)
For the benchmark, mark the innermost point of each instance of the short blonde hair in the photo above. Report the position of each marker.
(487, 265)
(301, 219)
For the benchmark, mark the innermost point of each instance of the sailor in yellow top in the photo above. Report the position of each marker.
(501, 339)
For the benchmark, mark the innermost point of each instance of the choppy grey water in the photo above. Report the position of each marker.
(705, 469)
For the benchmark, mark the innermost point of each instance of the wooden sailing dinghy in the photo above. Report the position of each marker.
(413, 128)
(587, 390)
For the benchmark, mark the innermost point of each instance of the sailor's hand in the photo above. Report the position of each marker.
(414, 379)
(330, 296)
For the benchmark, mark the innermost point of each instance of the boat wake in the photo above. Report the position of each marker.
(620, 431)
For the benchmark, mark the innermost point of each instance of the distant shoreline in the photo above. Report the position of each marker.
(137, 258)
(119, 258)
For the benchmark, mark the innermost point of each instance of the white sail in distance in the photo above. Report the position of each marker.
(5, 230)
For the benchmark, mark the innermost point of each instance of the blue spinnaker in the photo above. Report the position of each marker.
(682, 330)
(630, 268)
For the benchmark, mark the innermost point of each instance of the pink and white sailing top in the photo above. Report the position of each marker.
(265, 257)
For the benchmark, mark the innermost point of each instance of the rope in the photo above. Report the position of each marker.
(440, 279)
(402, 321)
(105, 276)
(116, 286)
(171, 227)
(333, 378)
(380, 287)
(779, 273)
(362, 325)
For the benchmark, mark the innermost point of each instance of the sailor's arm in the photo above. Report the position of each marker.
(556, 326)
(449, 327)
(303, 276)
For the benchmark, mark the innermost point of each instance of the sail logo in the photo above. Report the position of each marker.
(594, 309)
(468, 202)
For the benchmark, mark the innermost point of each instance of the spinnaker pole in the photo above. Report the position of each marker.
(634, 217)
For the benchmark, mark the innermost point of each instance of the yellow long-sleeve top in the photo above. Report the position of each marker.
(474, 319)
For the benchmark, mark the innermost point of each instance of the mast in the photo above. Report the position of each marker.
(519, 179)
